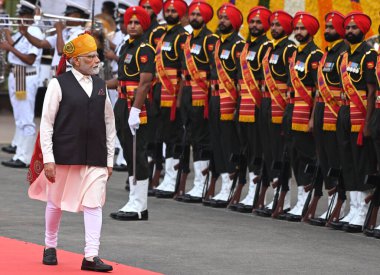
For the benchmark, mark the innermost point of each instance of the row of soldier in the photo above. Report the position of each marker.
(266, 106)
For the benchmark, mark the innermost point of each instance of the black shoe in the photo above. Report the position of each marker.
(190, 199)
(376, 233)
(218, 203)
(294, 218)
(96, 265)
(179, 197)
(233, 207)
(337, 225)
(369, 232)
(120, 167)
(353, 228)
(9, 149)
(130, 216)
(317, 222)
(50, 256)
(14, 163)
(243, 208)
(206, 202)
(264, 212)
(164, 194)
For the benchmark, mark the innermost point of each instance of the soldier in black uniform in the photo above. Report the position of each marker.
(196, 60)
(326, 109)
(276, 74)
(359, 84)
(168, 68)
(135, 76)
(223, 132)
(151, 36)
(251, 82)
(303, 78)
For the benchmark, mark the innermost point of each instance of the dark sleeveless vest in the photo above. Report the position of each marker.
(79, 136)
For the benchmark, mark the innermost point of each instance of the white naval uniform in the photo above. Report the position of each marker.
(23, 110)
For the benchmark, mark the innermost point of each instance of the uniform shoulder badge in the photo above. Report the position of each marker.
(143, 59)
(370, 65)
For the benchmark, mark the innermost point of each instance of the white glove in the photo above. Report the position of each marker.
(134, 120)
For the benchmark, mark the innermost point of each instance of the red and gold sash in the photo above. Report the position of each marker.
(330, 98)
(358, 101)
(227, 90)
(201, 82)
(169, 81)
(250, 91)
(303, 101)
(378, 81)
(278, 94)
(131, 87)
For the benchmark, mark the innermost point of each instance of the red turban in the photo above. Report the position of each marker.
(155, 4)
(141, 14)
(179, 5)
(336, 18)
(310, 22)
(233, 14)
(205, 9)
(285, 20)
(361, 20)
(263, 13)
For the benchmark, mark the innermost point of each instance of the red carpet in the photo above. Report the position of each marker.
(18, 257)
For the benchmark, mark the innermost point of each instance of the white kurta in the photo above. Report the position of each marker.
(75, 186)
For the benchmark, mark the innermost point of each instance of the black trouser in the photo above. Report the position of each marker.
(357, 161)
(249, 136)
(375, 133)
(126, 140)
(197, 128)
(326, 145)
(224, 138)
(167, 131)
(286, 128)
(265, 122)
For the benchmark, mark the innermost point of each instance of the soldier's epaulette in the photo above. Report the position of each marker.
(142, 45)
(291, 45)
(158, 28)
(371, 50)
(240, 41)
(269, 42)
(213, 34)
(316, 51)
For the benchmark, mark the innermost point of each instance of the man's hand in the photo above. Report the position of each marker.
(49, 169)
(23, 29)
(59, 26)
(109, 169)
(134, 120)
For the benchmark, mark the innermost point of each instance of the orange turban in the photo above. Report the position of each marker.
(155, 4)
(80, 45)
(309, 21)
(285, 20)
(361, 20)
(336, 18)
(141, 14)
(179, 5)
(233, 14)
(263, 13)
(205, 9)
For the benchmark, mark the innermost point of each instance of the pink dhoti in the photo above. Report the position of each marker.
(75, 187)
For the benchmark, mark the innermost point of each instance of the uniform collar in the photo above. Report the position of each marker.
(196, 33)
(278, 41)
(170, 27)
(354, 47)
(333, 45)
(304, 47)
(225, 37)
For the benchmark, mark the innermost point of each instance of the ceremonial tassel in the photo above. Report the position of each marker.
(36, 163)
(61, 66)
(360, 135)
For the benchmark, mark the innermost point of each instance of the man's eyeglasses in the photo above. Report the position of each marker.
(91, 56)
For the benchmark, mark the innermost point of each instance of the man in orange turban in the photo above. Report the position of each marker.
(77, 143)
(326, 114)
(222, 104)
(197, 53)
(303, 80)
(359, 82)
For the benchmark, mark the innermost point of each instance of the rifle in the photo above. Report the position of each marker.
(338, 189)
(283, 184)
(240, 162)
(209, 187)
(261, 189)
(370, 221)
(157, 162)
(183, 166)
(309, 209)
